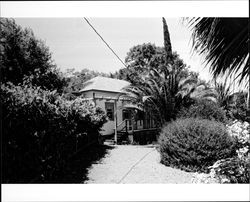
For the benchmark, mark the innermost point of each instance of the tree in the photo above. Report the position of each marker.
(167, 41)
(225, 95)
(158, 93)
(24, 58)
(142, 58)
(192, 89)
(225, 43)
(163, 84)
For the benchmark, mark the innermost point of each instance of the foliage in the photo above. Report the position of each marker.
(235, 104)
(235, 169)
(193, 89)
(160, 92)
(42, 130)
(224, 92)
(239, 106)
(194, 144)
(141, 59)
(232, 170)
(240, 130)
(157, 93)
(25, 58)
(155, 74)
(167, 41)
(225, 43)
(205, 110)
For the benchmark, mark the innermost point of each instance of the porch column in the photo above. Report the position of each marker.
(115, 119)
(133, 121)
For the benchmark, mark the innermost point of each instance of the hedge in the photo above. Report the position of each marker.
(41, 130)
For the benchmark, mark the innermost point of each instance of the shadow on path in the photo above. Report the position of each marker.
(77, 168)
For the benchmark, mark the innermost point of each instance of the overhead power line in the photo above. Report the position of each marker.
(105, 42)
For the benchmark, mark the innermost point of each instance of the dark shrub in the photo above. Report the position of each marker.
(41, 131)
(194, 144)
(205, 110)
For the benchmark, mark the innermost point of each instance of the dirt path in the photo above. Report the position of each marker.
(134, 164)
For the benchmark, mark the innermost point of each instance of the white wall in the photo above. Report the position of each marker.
(108, 127)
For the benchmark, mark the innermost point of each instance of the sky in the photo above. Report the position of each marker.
(74, 44)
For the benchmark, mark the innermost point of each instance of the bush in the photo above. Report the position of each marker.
(239, 108)
(232, 170)
(194, 144)
(240, 130)
(205, 110)
(41, 130)
(237, 168)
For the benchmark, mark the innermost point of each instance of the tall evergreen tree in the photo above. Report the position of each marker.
(167, 42)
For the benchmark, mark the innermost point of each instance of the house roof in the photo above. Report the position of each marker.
(105, 84)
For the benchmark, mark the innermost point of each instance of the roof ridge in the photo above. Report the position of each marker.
(105, 84)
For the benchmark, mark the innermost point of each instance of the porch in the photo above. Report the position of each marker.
(131, 131)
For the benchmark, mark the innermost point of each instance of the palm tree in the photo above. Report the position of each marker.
(192, 89)
(164, 92)
(225, 43)
(157, 94)
(225, 94)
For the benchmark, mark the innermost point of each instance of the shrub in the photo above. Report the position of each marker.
(205, 110)
(194, 144)
(41, 130)
(232, 170)
(239, 107)
(240, 130)
(237, 168)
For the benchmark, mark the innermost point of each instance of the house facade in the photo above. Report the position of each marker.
(122, 115)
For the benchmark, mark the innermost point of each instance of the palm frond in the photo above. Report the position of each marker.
(225, 42)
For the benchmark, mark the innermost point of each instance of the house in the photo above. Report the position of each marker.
(123, 116)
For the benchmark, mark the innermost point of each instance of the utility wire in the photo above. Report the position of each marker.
(105, 42)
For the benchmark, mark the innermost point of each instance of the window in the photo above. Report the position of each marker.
(109, 106)
(126, 114)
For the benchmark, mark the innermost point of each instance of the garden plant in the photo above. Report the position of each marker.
(195, 144)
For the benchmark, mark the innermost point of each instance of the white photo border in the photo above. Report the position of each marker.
(139, 192)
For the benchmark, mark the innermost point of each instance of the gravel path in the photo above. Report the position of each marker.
(134, 164)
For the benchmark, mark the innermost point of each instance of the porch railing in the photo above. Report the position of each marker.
(123, 125)
(128, 125)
